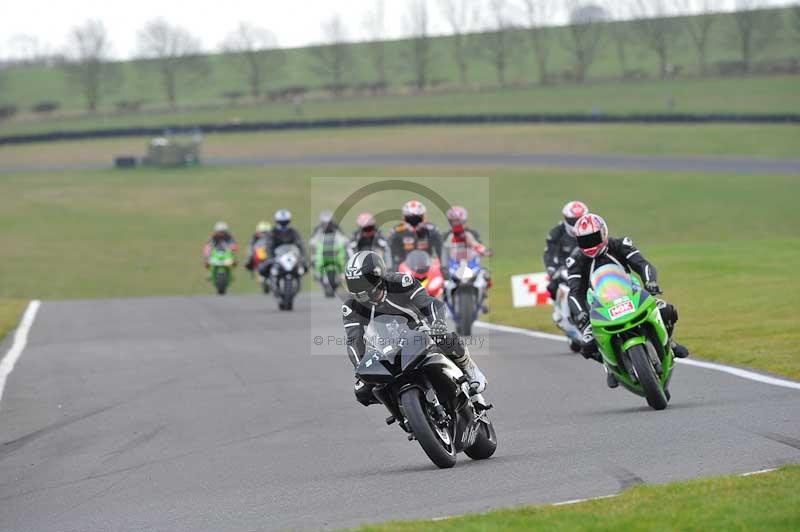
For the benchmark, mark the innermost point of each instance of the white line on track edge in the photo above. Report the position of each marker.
(20, 341)
(744, 374)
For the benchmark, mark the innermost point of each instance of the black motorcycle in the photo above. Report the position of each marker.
(285, 274)
(426, 393)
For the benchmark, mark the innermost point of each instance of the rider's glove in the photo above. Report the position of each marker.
(653, 288)
(551, 271)
(438, 328)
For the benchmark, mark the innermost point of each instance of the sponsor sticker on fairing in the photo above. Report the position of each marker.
(626, 307)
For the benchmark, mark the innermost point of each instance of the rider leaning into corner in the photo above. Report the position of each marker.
(414, 233)
(561, 243)
(596, 249)
(221, 234)
(375, 292)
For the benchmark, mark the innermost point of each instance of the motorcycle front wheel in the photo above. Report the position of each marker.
(438, 443)
(221, 281)
(648, 379)
(466, 302)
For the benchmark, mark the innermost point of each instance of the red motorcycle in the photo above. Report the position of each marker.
(426, 270)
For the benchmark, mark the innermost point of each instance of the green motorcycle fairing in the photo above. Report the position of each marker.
(621, 314)
(331, 254)
(220, 258)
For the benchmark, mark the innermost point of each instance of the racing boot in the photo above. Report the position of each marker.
(477, 380)
(611, 380)
(680, 351)
(364, 393)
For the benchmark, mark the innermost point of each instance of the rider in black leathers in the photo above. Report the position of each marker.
(561, 243)
(282, 233)
(375, 292)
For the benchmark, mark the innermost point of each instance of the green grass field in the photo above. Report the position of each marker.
(768, 501)
(778, 94)
(725, 245)
(762, 140)
(201, 100)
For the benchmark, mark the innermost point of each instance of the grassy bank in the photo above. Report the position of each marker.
(725, 246)
(760, 502)
(774, 94)
(25, 86)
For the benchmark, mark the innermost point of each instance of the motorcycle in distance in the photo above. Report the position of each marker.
(465, 289)
(259, 256)
(426, 270)
(630, 334)
(329, 262)
(285, 275)
(426, 393)
(561, 313)
(220, 267)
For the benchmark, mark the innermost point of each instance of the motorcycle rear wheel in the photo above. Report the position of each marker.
(440, 449)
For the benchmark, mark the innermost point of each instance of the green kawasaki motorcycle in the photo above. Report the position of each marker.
(630, 334)
(330, 258)
(220, 267)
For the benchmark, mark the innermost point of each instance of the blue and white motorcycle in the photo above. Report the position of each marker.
(465, 291)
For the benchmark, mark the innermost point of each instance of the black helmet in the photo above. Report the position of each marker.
(364, 276)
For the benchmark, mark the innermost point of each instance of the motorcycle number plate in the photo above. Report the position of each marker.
(626, 307)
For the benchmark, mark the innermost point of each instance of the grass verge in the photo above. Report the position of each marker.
(10, 311)
(759, 502)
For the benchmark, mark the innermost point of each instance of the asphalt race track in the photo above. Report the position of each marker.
(212, 413)
(730, 165)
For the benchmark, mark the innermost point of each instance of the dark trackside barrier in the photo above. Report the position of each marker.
(667, 118)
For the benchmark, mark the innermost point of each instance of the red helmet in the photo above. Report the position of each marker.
(366, 224)
(457, 216)
(414, 212)
(592, 234)
(571, 212)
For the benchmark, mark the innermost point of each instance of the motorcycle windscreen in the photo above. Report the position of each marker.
(611, 283)
(414, 348)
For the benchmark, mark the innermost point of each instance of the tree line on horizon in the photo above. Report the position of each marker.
(493, 31)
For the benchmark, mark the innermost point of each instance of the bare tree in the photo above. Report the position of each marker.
(461, 16)
(655, 26)
(755, 28)
(583, 36)
(796, 20)
(419, 54)
(87, 61)
(499, 42)
(374, 23)
(620, 33)
(255, 52)
(698, 24)
(333, 59)
(539, 13)
(174, 53)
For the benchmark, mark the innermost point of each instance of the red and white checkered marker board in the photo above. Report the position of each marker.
(530, 289)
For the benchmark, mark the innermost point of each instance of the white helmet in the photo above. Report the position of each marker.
(571, 212)
(283, 218)
(220, 227)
